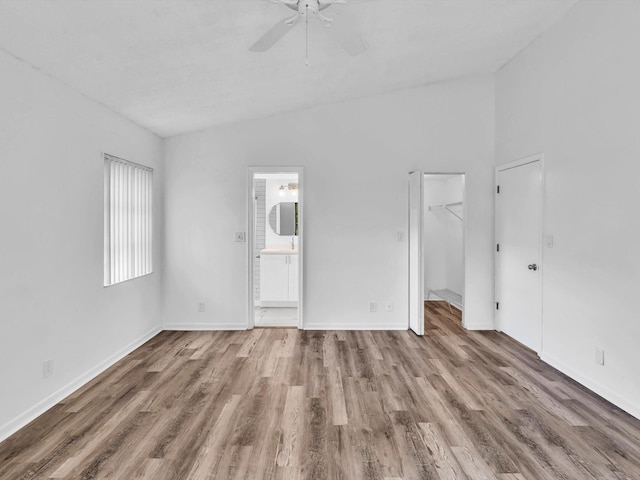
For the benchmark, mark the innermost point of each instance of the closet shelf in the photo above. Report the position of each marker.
(449, 296)
(448, 207)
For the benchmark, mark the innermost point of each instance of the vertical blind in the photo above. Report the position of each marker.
(128, 228)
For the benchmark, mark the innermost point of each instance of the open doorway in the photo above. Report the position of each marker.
(275, 247)
(443, 251)
(436, 247)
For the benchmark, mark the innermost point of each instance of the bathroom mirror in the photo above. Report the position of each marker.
(283, 218)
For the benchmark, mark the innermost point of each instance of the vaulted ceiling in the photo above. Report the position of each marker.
(175, 66)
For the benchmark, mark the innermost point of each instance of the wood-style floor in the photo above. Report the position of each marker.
(288, 404)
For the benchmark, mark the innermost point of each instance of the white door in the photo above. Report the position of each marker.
(416, 275)
(518, 251)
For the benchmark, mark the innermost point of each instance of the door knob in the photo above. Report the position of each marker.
(533, 267)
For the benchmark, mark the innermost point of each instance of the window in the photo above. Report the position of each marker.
(127, 220)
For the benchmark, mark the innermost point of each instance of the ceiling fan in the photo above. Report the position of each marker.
(305, 10)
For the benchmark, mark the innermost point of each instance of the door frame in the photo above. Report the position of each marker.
(538, 157)
(464, 241)
(420, 251)
(252, 170)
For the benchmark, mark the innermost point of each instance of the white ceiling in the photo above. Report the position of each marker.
(175, 66)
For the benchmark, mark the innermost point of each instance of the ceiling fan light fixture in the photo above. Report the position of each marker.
(306, 9)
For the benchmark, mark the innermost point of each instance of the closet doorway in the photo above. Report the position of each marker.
(275, 247)
(437, 230)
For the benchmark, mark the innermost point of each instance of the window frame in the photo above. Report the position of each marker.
(128, 187)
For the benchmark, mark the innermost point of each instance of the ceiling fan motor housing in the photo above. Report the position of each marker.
(311, 6)
(350, 41)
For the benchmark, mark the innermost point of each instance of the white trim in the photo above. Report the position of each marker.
(465, 229)
(252, 170)
(342, 326)
(480, 326)
(56, 397)
(520, 162)
(592, 385)
(420, 234)
(538, 157)
(204, 327)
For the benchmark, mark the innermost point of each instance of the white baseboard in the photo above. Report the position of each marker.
(39, 408)
(329, 326)
(601, 390)
(203, 326)
(480, 326)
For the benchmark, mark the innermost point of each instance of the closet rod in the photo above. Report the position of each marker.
(447, 207)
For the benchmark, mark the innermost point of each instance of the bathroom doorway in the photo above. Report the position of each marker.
(275, 247)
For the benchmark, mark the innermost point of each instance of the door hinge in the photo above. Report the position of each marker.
(498, 189)
(497, 305)
(497, 247)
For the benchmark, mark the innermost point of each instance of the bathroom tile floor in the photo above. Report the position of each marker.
(276, 317)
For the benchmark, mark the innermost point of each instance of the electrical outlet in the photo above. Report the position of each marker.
(599, 356)
(240, 237)
(389, 306)
(202, 306)
(47, 368)
(373, 306)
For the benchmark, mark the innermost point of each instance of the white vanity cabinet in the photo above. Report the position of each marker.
(278, 280)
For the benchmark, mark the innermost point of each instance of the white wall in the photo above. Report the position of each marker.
(434, 236)
(574, 95)
(455, 236)
(52, 302)
(356, 156)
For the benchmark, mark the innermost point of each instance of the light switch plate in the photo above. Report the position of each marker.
(47, 368)
(599, 356)
(240, 237)
(548, 241)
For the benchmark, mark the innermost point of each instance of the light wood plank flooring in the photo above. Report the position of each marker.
(289, 404)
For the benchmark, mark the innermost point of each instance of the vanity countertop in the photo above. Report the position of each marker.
(280, 250)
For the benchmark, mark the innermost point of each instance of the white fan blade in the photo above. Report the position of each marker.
(278, 31)
(348, 39)
(292, 4)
